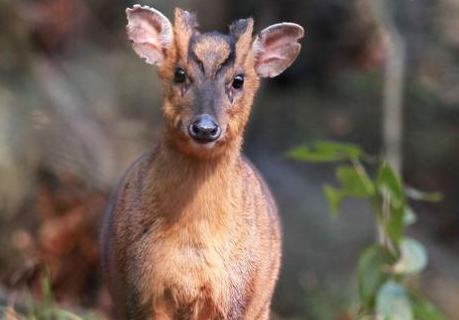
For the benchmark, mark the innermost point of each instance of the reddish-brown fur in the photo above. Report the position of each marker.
(193, 232)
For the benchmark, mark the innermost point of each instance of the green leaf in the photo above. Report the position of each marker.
(47, 288)
(370, 273)
(423, 309)
(58, 313)
(304, 153)
(334, 197)
(388, 181)
(419, 195)
(395, 225)
(354, 183)
(350, 150)
(325, 151)
(413, 257)
(393, 303)
(390, 189)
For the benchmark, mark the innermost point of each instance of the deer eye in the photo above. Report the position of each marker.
(179, 75)
(238, 81)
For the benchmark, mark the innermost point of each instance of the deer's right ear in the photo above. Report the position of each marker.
(150, 33)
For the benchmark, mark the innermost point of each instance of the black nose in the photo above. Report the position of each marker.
(204, 129)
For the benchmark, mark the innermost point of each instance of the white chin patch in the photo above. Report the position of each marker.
(208, 145)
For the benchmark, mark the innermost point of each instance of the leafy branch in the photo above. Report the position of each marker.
(385, 268)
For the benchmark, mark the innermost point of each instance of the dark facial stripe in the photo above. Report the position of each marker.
(212, 52)
(229, 61)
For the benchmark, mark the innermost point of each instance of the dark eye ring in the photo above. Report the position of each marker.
(238, 81)
(179, 75)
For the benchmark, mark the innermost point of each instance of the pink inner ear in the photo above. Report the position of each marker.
(144, 30)
(145, 40)
(269, 55)
(149, 52)
(276, 48)
(150, 33)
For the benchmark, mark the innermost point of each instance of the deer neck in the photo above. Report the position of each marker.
(191, 188)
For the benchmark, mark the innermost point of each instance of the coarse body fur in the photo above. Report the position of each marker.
(189, 240)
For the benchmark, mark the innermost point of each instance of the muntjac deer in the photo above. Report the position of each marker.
(192, 231)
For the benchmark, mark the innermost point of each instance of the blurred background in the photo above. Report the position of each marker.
(77, 106)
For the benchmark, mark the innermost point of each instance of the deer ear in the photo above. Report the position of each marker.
(150, 33)
(276, 47)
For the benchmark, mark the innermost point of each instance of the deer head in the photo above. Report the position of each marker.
(209, 79)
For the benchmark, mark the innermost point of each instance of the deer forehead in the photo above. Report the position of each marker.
(212, 50)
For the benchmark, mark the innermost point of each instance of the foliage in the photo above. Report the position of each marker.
(46, 309)
(384, 269)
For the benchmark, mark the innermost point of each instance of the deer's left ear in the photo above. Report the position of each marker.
(276, 47)
(150, 33)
